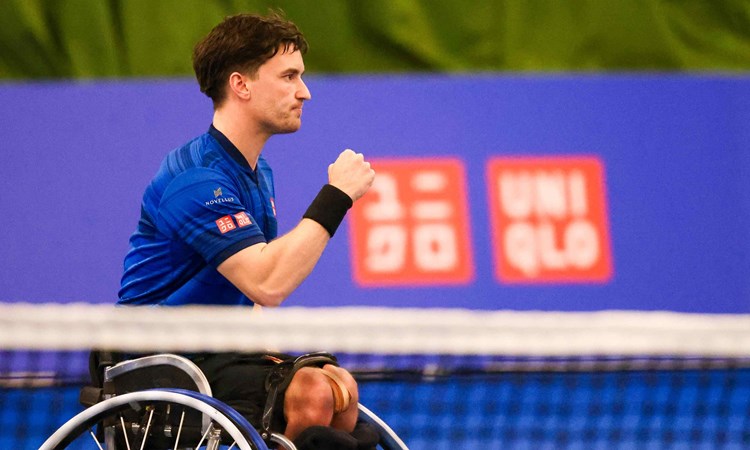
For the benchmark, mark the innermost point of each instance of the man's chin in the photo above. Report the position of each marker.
(288, 129)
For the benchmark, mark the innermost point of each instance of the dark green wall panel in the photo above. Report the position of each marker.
(114, 38)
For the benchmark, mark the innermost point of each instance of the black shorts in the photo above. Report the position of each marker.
(239, 380)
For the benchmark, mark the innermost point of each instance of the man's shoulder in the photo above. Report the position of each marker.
(201, 151)
(196, 161)
(200, 178)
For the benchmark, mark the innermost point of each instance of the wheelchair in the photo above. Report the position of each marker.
(164, 401)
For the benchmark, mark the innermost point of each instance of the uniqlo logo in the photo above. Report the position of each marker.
(242, 219)
(412, 225)
(225, 224)
(549, 220)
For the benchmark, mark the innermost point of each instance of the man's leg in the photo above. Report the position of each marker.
(315, 397)
(239, 381)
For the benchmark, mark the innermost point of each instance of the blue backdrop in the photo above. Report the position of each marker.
(675, 149)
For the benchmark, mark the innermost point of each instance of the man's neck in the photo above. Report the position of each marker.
(248, 139)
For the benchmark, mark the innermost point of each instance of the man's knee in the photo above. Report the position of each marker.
(343, 386)
(310, 394)
(318, 394)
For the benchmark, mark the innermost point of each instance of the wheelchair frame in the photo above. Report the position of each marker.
(216, 416)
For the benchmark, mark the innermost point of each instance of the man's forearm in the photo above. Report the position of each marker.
(269, 273)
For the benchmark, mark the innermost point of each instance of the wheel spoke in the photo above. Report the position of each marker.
(179, 430)
(204, 436)
(125, 432)
(148, 425)
(93, 436)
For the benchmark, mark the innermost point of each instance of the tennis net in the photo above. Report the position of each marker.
(442, 379)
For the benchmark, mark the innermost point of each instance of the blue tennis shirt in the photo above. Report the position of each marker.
(205, 204)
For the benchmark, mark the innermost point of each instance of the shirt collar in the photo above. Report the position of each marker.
(228, 147)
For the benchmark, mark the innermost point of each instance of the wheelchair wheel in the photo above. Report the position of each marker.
(156, 419)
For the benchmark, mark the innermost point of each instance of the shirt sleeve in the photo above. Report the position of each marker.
(202, 208)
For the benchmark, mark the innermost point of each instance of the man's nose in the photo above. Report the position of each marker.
(303, 92)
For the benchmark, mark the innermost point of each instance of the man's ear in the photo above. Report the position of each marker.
(239, 85)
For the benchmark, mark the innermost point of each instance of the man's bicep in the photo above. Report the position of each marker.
(245, 269)
(202, 209)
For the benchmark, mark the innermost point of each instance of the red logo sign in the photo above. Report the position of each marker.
(412, 226)
(549, 220)
(242, 219)
(225, 224)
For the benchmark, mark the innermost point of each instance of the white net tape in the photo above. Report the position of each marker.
(376, 330)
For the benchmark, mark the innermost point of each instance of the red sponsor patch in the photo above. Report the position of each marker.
(549, 220)
(242, 219)
(412, 226)
(225, 224)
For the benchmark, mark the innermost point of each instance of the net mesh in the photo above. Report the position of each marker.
(442, 379)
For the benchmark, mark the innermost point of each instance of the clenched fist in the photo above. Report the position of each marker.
(351, 173)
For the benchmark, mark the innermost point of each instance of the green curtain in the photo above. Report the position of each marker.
(152, 38)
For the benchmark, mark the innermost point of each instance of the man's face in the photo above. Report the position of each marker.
(277, 92)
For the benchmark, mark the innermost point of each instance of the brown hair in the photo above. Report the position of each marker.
(241, 43)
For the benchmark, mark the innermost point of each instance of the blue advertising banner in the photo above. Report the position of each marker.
(569, 192)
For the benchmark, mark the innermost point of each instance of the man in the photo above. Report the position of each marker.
(207, 232)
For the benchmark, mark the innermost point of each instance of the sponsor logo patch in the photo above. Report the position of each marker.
(225, 224)
(242, 219)
(218, 200)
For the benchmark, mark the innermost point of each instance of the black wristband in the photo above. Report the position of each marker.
(329, 208)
